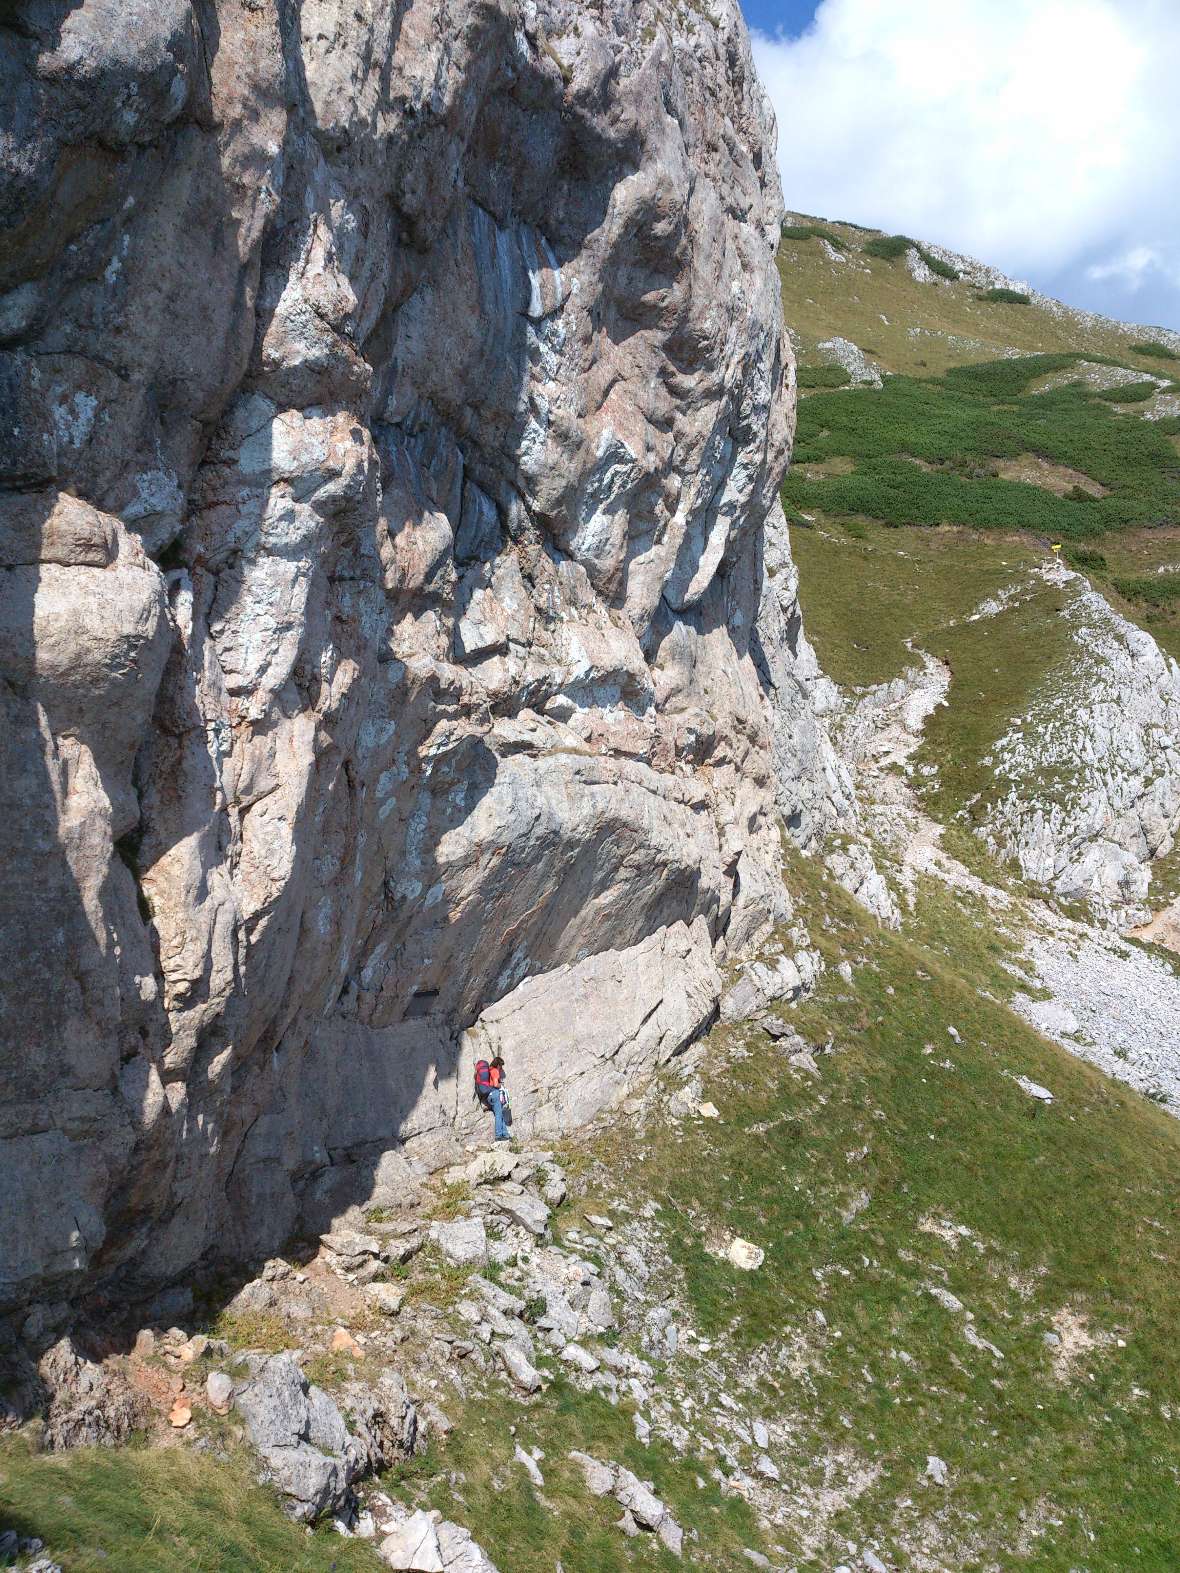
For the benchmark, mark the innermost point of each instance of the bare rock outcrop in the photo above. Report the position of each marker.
(1089, 780)
(395, 399)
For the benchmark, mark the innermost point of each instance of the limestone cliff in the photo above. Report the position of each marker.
(395, 395)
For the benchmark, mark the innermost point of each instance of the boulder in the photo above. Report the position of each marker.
(519, 1367)
(413, 1546)
(301, 1437)
(90, 1403)
(383, 1420)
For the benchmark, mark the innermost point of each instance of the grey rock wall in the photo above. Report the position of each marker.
(394, 398)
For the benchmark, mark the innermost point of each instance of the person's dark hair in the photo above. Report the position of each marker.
(499, 1060)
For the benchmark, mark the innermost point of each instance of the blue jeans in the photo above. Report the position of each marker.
(496, 1102)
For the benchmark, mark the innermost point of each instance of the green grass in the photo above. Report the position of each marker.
(1073, 1207)
(1000, 667)
(1154, 349)
(169, 1510)
(915, 580)
(925, 329)
(1008, 297)
(477, 1482)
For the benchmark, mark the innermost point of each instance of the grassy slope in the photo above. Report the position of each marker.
(855, 449)
(142, 1510)
(1075, 1206)
(929, 327)
(911, 1161)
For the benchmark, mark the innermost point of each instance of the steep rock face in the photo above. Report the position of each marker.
(398, 393)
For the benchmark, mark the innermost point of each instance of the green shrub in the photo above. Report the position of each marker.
(937, 265)
(823, 377)
(1129, 393)
(1150, 589)
(1169, 426)
(1082, 557)
(1006, 297)
(1154, 348)
(891, 247)
(956, 426)
(813, 232)
(886, 246)
(1007, 379)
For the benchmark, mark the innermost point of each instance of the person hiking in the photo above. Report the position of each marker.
(492, 1093)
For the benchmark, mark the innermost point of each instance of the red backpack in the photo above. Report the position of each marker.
(483, 1081)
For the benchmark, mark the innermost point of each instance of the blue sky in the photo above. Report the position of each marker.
(1042, 136)
(779, 16)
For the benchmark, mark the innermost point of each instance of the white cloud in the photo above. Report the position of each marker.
(1040, 135)
(1135, 269)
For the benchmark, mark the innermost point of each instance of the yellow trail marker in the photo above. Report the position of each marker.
(1056, 548)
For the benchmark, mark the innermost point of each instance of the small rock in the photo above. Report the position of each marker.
(529, 1465)
(463, 1241)
(936, 1470)
(670, 1532)
(507, 1304)
(180, 1414)
(196, 1348)
(599, 1221)
(844, 971)
(351, 1248)
(530, 1212)
(631, 1492)
(708, 1111)
(744, 1255)
(1034, 1089)
(574, 1354)
(386, 1298)
(642, 1429)
(413, 1546)
(599, 1477)
(599, 1312)
(953, 1034)
(766, 1467)
(945, 1298)
(496, 1164)
(343, 1343)
(435, 1420)
(872, 1562)
(519, 1367)
(400, 1248)
(219, 1391)
(755, 1557)
(761, 1435)
(628, 1525)
(461, 1554)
